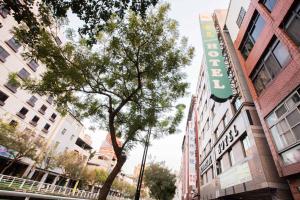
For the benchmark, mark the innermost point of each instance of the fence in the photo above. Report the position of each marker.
(12, 183)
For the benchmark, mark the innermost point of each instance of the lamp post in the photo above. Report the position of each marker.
(140, 179)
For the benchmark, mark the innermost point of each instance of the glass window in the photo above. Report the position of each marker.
(3, 11)
(32, 101)
(47, 126)
(291, 102)
(24, 111)
(23, 74)
(3, 54)
(282, 55)
(292, 24)
(246, 143)
(35, 119)
(13, 44)
(3, 98)
(53, 116)
(50, 100)
(257, 28)
(293, 118)
(272, 66)
(43, 109)
(280, 111)
(231, 157)
(269, 4)
(33, 65)
(291, 156)
(241, 16)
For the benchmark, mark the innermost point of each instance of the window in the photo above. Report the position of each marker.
(246, 144)
(3, 98)
(284, 123)
(22, 113)
(269, 4)
(292, 24)
(34, 120)
(43, 109)
(3, 54)
(23, 74)
(241, 16)
(218, 166)
(13, 44)
(57, 40)
(72, 137)
(13, 123)
(53, 116)
(3, 11)
(33, 65)
(46, 128)
(50, 100)
(32, 101)
(255, 27)
(56, 144)
(63, 131)
(276, 57)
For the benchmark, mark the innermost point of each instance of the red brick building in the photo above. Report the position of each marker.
(268, 48)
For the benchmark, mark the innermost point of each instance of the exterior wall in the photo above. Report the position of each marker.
(232, 16)
(8, 112)
(278, 89)
(231, 137)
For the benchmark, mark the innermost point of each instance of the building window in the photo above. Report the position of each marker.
(23, 74)
(3, 11)
(241, 16)
(22, 113)
(50, 100)
(13, 123)
(292, 24)
(56, 144)
(57, 40)
(276, 57)
(43, 109)
(3, 54)
(13, 44)
(284, 123)
(269, 4)
(46, 128)
(219, 166)
(72, 137)
(255, 27)
(33, 65)
(32, 101)
(34, 120)
(3, 98)
(231, 157)
(246, 144)
(53, 117)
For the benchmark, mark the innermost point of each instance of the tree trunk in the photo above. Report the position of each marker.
(11, 162)
(110, 179)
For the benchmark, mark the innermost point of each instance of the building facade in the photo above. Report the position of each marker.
(32, 111)
(235, 161)
(267, 42)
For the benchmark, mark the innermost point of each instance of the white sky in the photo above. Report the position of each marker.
(168, 149)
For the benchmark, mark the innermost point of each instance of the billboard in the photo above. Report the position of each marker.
(218, 80)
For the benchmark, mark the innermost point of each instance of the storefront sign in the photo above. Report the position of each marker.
(235, 175)
(206, 164)
(218, 79)
(234, 131)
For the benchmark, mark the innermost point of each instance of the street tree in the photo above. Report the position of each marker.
(94, 13)
(19, 144)
(160, 181)
(128, 83)
(95, 177)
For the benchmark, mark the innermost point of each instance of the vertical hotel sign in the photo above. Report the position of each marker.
(219, 84)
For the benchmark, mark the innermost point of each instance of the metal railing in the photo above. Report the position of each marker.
(12, 183)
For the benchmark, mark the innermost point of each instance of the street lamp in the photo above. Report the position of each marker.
(140, 179)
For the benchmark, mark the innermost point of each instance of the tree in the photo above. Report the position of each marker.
(128, 83)
(95, 176)
(125, 188)
(19, 144)
(160, 181)
(94, 13)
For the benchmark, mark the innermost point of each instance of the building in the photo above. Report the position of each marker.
(235, 161)
(190, 161)
(267, 41)
(32, 111)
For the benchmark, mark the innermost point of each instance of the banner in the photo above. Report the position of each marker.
(218, 80)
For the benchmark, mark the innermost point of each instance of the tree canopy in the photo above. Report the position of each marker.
(94, 13)
(127, 83)
(160, 181)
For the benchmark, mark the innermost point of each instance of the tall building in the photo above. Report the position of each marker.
(235, 161)
(32, 111)
(267, 41)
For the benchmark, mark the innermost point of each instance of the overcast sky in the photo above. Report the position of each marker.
(168, 149)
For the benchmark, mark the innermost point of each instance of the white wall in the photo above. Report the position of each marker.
(232, 16)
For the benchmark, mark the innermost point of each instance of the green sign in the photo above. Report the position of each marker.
(218, 80)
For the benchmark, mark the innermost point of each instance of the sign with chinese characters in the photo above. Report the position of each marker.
(218, 79)
(235, 175)
(205, 165)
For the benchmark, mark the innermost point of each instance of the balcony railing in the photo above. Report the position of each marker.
(11, 183)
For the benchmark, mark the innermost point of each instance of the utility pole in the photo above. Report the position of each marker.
(140, 179)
